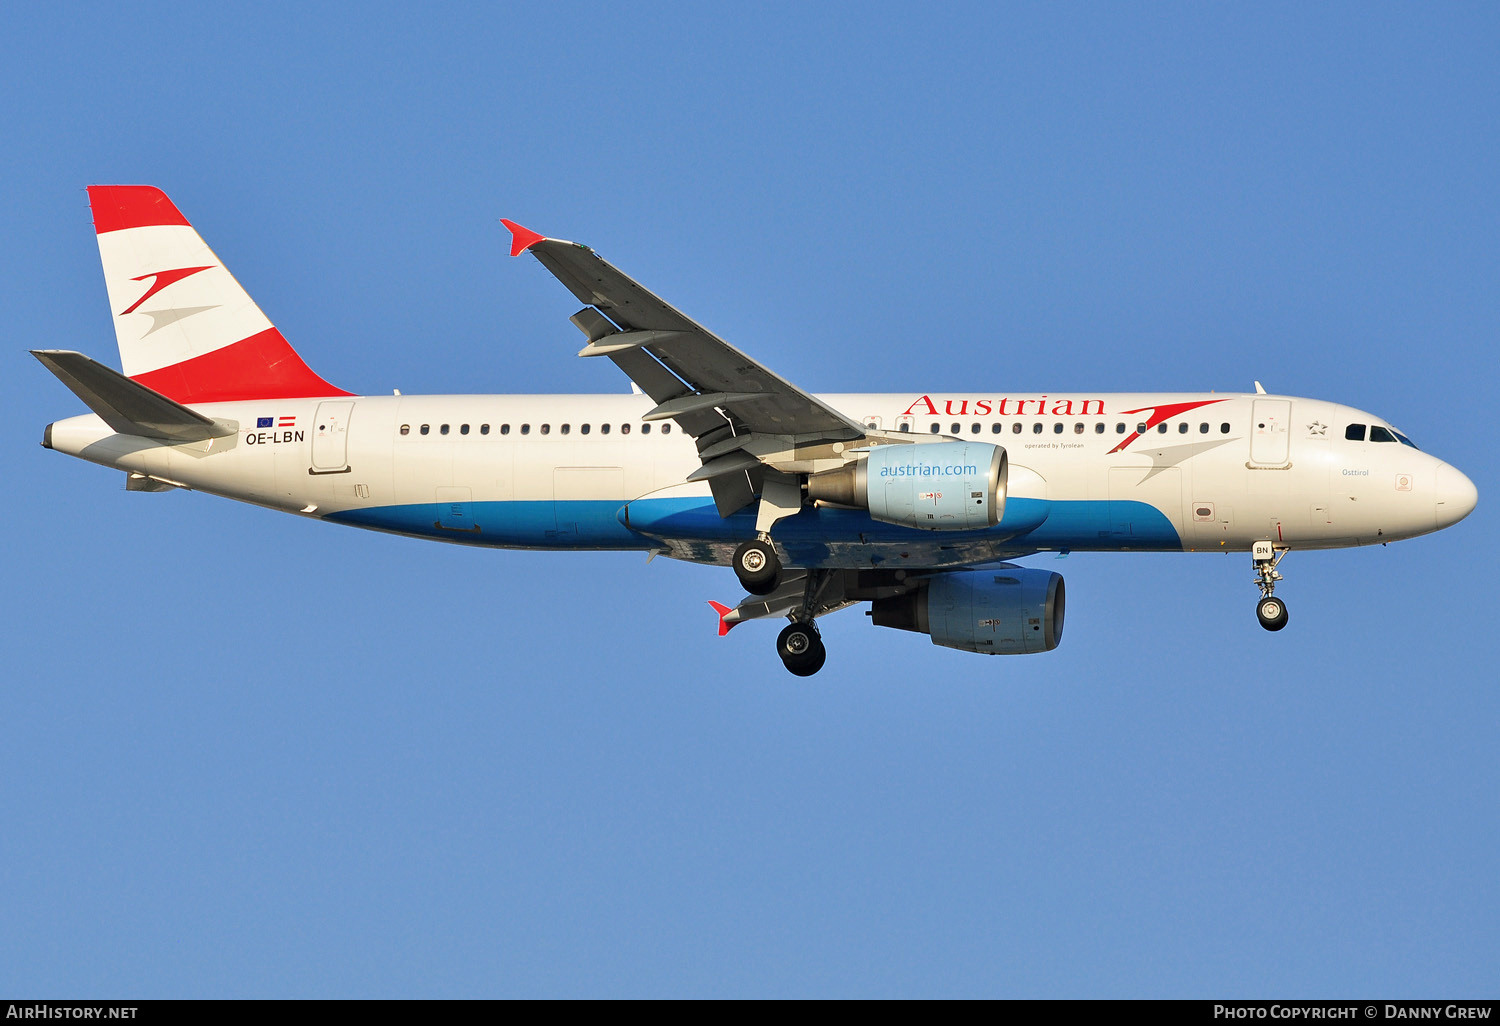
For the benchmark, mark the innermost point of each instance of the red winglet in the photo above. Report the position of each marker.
(723, 611)
(521, 239)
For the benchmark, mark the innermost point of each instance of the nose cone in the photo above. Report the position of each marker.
(1456, 496)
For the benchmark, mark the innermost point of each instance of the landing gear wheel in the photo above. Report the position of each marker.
(1271, 612)
(801, 649)
(757, 567)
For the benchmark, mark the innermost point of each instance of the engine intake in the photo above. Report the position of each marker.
(944, 486)
(1008, 612)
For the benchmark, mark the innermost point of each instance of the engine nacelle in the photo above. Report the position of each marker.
(1009, 611)
(944, 486)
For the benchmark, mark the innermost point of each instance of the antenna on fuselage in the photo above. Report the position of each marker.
(1260, 389)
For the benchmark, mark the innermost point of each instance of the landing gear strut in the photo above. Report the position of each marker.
(801, 648)
(757, 567)
(1270, 610)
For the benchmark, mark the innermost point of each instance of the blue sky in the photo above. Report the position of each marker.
(245, 754)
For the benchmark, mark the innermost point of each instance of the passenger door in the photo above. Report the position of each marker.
(1269, 438)
(330, 438)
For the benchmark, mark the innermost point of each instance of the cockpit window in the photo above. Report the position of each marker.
(1380, 434)
(1404, 440)
(1355, 432)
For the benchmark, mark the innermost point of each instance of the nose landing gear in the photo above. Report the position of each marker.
(1270, 610)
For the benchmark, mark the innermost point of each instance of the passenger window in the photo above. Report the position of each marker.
(1161, 429)
(904, 426)
(546, 429)
(1182, 428)
(1380, 434)
(1057, 428)
(666, 429)
(484, 429)
(1099, 428)
(1015, 428)
(1140, 428)
(1036, 428)
(505, 429)
(463, 429)
(1224, 428)
(604, 429)
(1078, 429)
(583, 429)
(974, 428)
(1120, 428)
(443, 430)
(406, 429)
(1203, 428)
(1355, 432)
(936, 428)
(624, 429)
(995, 429)
(525, 429)
(425, 429)
(956, 428)
(564, 429)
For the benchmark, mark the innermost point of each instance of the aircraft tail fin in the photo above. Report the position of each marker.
(127, 406)
(186, 328)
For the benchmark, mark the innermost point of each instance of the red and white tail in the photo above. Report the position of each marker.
(186, 328)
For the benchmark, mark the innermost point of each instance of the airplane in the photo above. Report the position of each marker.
(918, 503)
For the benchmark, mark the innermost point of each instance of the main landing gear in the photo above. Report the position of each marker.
(757, 567)
(1270, 610)
(801, 648)
(804, 595)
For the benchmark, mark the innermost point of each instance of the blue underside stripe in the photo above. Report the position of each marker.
(596, 524)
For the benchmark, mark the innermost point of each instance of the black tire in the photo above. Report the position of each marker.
(757, 567)
(1271, 612)
(801, 649)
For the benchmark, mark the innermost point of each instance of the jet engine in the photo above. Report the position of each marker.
(1006, 611)
(944, 486)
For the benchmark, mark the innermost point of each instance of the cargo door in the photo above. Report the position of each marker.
(583, 494)
(454, 511)
(1145, 507)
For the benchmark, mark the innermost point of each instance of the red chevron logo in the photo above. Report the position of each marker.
(162, 280)
(1159, 414)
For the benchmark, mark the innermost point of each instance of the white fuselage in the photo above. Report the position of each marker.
(1219, 472)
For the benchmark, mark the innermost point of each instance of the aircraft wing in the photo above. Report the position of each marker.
(720, 396)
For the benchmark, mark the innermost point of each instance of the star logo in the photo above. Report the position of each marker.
(1318, 428)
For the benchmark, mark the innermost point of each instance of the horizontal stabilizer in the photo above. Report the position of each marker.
(127, 406)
